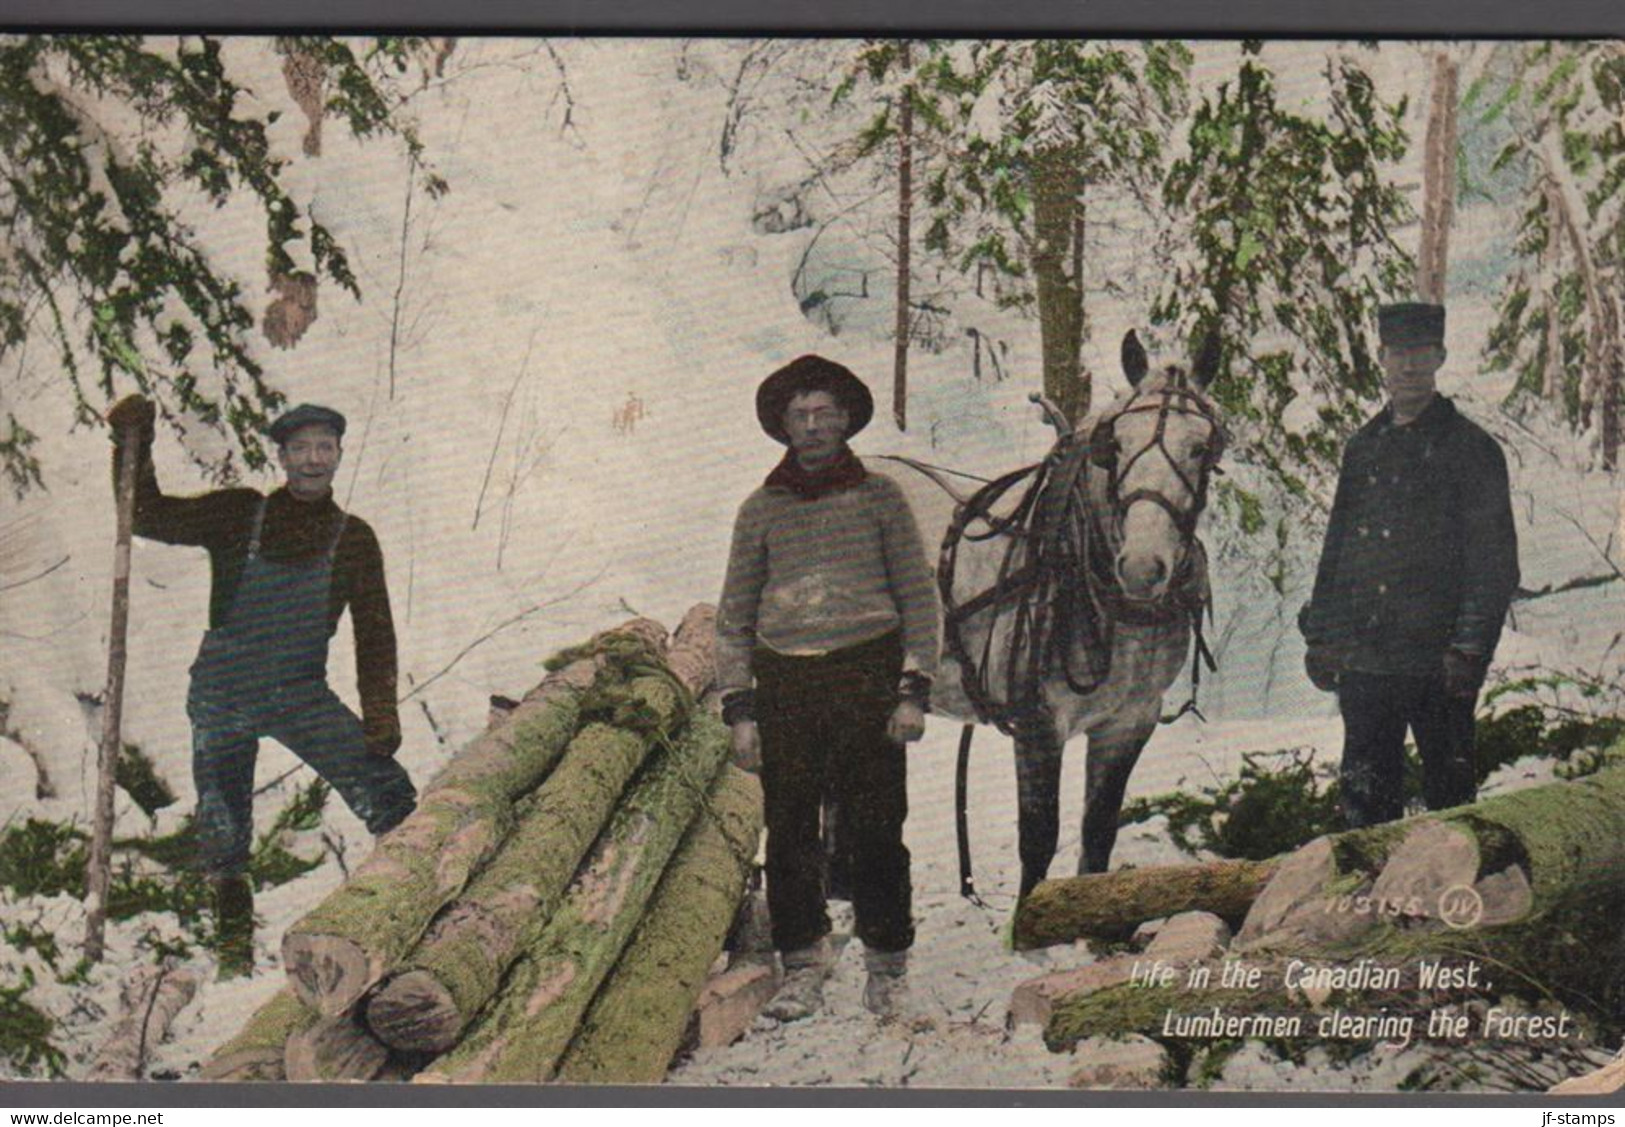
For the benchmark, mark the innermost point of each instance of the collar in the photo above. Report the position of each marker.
(845, 472)
(1437, 414)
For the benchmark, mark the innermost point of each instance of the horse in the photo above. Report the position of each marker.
(1072, 591)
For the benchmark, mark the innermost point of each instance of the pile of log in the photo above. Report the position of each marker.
(1526, 884)
(555, 904)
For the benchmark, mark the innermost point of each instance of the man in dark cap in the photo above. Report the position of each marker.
(1419, 566)
(285, 566)
(826, 645)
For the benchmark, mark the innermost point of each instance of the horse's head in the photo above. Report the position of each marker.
(1154, 450)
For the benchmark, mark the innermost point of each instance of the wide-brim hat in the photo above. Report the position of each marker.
(306, 415)
(812, 373)
(1410, 324)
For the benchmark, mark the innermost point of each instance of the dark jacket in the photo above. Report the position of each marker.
(1421, 551)
(294, 531)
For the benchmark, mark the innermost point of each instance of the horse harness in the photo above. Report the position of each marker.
(1057, 580)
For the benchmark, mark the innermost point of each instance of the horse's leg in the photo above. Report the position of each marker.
(1113, 750)
(1038, 792)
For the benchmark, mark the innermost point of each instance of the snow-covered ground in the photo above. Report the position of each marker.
(570, 273)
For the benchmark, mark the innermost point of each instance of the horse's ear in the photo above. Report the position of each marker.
(1134, 360)
(1207, 360)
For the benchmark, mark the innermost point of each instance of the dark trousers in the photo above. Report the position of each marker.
(1377, 710)
(823, 724)
(310, 721)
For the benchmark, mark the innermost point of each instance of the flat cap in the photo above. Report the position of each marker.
(306, 415)
(1410, 324)
(812, 373)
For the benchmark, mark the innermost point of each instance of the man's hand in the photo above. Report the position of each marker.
(747, 746)
(133, 412)
(907, 723)
(1463, 673)
(1322, 668)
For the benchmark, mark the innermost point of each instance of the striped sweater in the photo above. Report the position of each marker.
(809, 577)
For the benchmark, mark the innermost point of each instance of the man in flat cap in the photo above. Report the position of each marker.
(1419, 566)
(827, 642)
(285, 567)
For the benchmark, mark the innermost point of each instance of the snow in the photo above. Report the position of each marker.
(568, 273)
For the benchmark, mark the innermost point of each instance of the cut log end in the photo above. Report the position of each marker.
(338, 1048)
(328, 972)
(415, 1012)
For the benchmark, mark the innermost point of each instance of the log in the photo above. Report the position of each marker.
(456, 969)
(730, 1002)
(523, 1035)
(258, 1050)
(149, 1002)
(332, 1049)
(1605, 1081)
(1111, 905)
(344, 946)
(638, 1019)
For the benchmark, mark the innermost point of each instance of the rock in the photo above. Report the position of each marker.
(1189, 937)
(1135, 1062)
(1033, 1001)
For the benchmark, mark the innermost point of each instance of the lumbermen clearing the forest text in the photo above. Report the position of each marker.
(826, 645)
(1418, 569)
(284, 568)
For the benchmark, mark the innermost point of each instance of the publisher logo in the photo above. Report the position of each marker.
(1460, 906)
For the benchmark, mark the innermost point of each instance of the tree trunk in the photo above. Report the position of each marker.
(257, 1052)
(637, 1021)
(1111, 905)
(360, 932)
(332, 1049)
(459, 965)
(1438, 182)
(1551, 257)
(150, 1001)
(522, 1037)
(98, 868)
(1057, 187)
(905, 209)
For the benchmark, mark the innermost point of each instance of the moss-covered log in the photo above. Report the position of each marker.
(1112, 905)
(334, 1049)
(456, 969)
(343, 947)
(637, 1021)
(523, 1034)
(257, 1052)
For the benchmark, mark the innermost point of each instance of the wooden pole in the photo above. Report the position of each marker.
(99, 867)
(905, 212)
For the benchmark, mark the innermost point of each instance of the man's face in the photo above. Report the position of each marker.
(1409, 374)
(310, 457)
(816, 424)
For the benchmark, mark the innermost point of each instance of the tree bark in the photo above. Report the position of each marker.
(638, 1019)
(1057, 187)
(523, 1035)
(258, 1050)
(361, 931)
(1111, 905)
(150, 1001)
(905, 211)
(1438, 182)
(457, 968)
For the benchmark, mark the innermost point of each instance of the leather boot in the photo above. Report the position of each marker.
(886, 991)
(234, 926)
(802, 993)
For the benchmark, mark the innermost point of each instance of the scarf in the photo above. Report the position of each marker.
(844, 472)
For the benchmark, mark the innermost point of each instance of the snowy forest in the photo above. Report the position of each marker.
(543, 279)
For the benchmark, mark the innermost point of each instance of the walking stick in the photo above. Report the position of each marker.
(99, 867)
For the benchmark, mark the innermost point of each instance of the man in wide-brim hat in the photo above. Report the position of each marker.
(827, 642)
(1419, 566)
(285, 566)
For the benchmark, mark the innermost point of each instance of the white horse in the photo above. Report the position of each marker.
(1072, 591)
